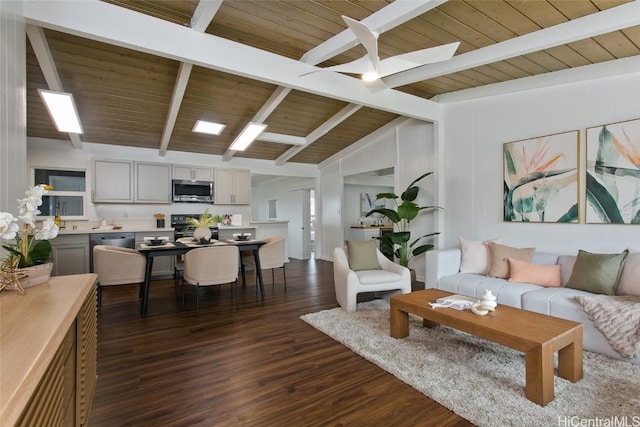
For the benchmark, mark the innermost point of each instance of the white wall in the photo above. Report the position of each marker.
(13, 107)
(471, 161)
(279, 188)
(54, 153)
(407, 147)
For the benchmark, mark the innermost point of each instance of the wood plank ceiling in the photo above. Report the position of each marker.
(124, 95)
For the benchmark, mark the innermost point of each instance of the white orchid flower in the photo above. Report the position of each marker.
(48, 231)
(8, 226)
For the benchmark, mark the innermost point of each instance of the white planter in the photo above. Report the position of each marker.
(36, 275)
(202, 233)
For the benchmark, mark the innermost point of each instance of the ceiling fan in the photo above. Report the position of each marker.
(372, 69)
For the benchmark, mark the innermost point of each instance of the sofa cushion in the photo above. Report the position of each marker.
(597, 273)
(499, 254)
(362, 255)
(566, 267)
(475, 256)
(376, 277)
(543, 275)
(629, 283)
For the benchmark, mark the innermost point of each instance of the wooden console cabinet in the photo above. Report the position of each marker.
(49, 353)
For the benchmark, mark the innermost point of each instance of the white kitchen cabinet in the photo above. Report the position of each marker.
(112, 181)
(153, 183)
(70, 253)
(232, 186)
(162, 265)
(197, 173)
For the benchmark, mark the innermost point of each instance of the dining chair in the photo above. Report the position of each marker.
(212, 265)
(178, 267)
(271, 256)
(117, 266)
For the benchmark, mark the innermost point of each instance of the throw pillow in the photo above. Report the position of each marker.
(629, 283)
(543, 275)
(499, 255)
(597, 273)
(475, 256)
(362, 255)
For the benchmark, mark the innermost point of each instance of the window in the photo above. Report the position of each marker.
(69, 193)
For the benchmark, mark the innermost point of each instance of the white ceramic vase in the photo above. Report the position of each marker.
(202, 233)
(36, 274)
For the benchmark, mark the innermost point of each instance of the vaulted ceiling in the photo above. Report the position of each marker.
(142, 72)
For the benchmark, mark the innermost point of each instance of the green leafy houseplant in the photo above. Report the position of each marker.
(406, 211)
(205, 220)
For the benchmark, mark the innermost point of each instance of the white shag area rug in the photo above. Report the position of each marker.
(481, 381)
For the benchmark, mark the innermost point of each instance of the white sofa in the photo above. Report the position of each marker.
(442, 272)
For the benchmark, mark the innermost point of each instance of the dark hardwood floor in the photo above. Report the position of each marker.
(258, 366)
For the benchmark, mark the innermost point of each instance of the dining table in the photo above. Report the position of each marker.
(174, 248)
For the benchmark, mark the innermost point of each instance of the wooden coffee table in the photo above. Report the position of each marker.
(535, 334)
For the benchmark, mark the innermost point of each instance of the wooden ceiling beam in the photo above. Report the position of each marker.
(96, 20)
(43, 54)
(281, 138)
(267, 108)
(334, 121)
(606, 21)
(383, 20)
(202, 17)
(389, 17)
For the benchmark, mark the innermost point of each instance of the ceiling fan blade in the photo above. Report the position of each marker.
(359, 66)
(406, 61)
(367, 37)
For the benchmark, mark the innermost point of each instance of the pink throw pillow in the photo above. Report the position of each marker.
(543, 275)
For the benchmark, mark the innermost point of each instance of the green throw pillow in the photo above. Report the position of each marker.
(362, 255)
(597, 273)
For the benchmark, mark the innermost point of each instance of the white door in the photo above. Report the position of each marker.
(299, 225)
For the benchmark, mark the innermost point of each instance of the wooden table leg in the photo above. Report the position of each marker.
(399, 322)
(539, 374)
(429, 324)
(570, 358)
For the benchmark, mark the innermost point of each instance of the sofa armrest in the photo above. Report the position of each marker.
(439, 263)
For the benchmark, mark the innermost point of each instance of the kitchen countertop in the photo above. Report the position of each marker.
(377, 227)
(271, 221)
(122, 230)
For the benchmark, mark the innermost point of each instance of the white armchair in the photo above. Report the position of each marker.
(117, 266)
(349, 283)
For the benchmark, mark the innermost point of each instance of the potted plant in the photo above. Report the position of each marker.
(406, 210)
(202, 224)
(29, 260)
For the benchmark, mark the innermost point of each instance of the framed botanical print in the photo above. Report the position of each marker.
(613, 173)
(368, 202)
(541, 179)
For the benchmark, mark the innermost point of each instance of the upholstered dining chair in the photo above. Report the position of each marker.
(211, 265)
(271, 257)
(117, 266)
(178, 266)
(376, 274)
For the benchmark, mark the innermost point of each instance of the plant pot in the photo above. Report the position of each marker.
(159, 223)
(202, 233)
(413, 279)
(36, 274)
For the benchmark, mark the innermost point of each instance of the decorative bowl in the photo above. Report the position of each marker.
(155, 241)
(241, 236)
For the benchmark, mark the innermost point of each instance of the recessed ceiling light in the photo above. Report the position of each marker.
(211, 128)
(247, 136)
(62, 110)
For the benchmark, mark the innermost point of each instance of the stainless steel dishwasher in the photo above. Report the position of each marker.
(123, 240)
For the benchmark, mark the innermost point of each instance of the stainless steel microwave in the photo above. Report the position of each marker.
(192, 191)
